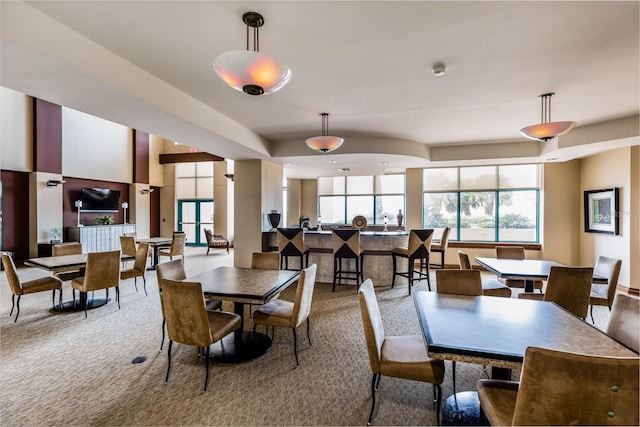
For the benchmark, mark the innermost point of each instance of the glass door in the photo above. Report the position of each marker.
(193, 217)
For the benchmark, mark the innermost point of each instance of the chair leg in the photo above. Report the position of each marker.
(13, 304)
(17, 308)
(453, 373)
(144, 283)
(295, 345)
(166, 380)
(206, 366)
(53, 298)
(428, 276)
(410, 273)
(118, 296)
(438, 393)
(591, 310)
(393, 279)
(135, 283)
(374, 380)
(86, 303)
(73, 295)
(164, 322)
(308, 332)
(335, 272)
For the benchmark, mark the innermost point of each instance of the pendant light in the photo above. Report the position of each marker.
(547, 129)
(324, 143)
(250, 71)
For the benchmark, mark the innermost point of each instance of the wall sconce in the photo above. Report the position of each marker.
(229, 176)
(55, 182)
(78, 204)
(125, 205)
(146, 190)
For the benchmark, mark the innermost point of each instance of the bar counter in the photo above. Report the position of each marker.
(377, 246)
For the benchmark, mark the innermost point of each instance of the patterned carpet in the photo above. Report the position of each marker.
(63, 369)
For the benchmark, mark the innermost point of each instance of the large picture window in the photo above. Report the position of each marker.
(340, 199)
(483, 204)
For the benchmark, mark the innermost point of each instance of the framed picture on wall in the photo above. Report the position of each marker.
(601, 213)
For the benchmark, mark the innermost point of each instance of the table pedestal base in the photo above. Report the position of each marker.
(67, 306)
(462, 409)
(237, 348)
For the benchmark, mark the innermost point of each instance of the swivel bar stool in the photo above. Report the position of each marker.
(418, 250)
(346, 244)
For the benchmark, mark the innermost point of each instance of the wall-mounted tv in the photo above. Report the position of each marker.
(99, 200)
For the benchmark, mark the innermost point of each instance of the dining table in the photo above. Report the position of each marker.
(63, 263)
(528, 270)
(243, 286)
(153, 243)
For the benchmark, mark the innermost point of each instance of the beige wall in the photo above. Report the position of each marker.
(634, 215)
(413, 203)
(223, 201)
(16, 131)
(156, 144)
(294, 202)
(309, 200)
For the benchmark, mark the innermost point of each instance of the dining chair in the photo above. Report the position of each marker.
(215, 240)
(458, 282)
(19, 287)
(603, 294)
(174, 270)
(491, 288)
(441, 247)
(563, 388)
(396, 356)
(264, 261)
(177, 246)
(190, 323)
(569, 287)
(291, 244)
(128, 246)
(102, 272)
(624, 322)
(515, 252)
(287, 314)
(346, 246)
(139, 267)
(417, 250)
(73, 248)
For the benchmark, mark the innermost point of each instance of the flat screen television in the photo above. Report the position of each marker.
(99, 200)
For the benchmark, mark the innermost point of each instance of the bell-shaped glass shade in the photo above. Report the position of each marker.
(547, 131)
(252, 72)
(324, 143)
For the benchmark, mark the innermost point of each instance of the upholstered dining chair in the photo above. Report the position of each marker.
(291, 244)
(128, 246)
(562, 388)
(491, 288)
(19, 287)
(177, 246)
(264, 261)
(174, 270)
(139, 267)
(569, 287)
(417, 250)
(515, 252)
(441, 247)
(603, 294)
(102, 272)
(189, 322)
(287, 314)
(396, 356)
(346, 245)
(72, 248)
(624, 322)
(458, 282)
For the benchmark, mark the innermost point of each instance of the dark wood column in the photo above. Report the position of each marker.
(140, 157)
(47, 137)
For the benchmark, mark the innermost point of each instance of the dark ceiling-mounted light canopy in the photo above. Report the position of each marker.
(249, 70)
(325, 142)
(547, 129)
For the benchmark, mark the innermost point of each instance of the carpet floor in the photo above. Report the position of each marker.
(63, 369)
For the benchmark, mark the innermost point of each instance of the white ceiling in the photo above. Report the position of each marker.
(367, 63)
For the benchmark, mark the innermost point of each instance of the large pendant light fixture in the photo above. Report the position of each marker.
(249, 70)
(325, 142)
(547, 129)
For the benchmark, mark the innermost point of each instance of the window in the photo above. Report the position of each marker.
(342, 198)
(485, 204)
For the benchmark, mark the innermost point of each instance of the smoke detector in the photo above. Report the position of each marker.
(439, 69)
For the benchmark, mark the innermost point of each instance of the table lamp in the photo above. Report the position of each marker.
(78, 205)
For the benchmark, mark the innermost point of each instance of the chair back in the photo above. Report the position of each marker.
(66, 249)
(12, 275)
(624, 322)
(102, 271)
(609, 268)
(177, 243)
(510, 252)
(209, 235)
(128, 245)
(444, 240)
(420, 243)
(463, 258)
(459, 282)
(570, 287)
(172, 270)
(346, 242)
(304, 295)
(290, 241)
(186, 313)
(142, 253)
(265, 260)
(372, 323)
(561, 388)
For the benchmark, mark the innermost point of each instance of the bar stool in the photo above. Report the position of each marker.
(290, 244)
(346, 244)
(441, 247)
(418, 249)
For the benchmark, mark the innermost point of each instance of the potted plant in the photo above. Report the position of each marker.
(105, 220)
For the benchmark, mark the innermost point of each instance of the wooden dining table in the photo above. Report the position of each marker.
(243, 286)
(528, 270)
(153, 243)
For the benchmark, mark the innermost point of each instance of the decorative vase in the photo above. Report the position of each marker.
(400, 217)
(274, 219)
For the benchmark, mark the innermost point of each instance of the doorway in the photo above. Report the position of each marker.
(194, 215)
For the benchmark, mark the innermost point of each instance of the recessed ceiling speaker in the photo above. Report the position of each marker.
(439, 69)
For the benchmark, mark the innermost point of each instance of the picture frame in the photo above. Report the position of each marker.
(601, 211)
